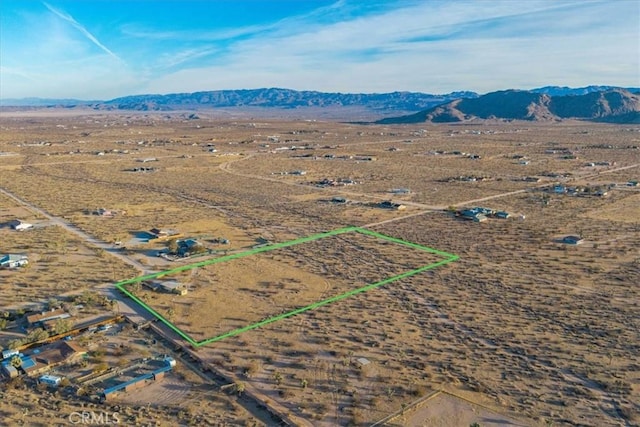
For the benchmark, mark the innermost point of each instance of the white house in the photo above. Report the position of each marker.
(6, 354)
(51, 380)
(13, 261)
(20, 225)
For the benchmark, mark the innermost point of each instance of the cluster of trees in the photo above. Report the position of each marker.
(38, 334)
(92, 299)
(61, 326)
(4, 319)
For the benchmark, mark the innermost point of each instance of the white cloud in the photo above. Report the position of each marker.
(91, 77)
(434, 46)
(511, 44)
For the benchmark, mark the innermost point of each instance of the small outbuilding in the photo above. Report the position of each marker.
(362, 362)
(50, 380)
(170, 287)
(8, 371)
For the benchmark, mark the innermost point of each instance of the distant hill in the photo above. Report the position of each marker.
(602, 103)
(43, 102)
(611, 105)
(281, 98)
(564, 90)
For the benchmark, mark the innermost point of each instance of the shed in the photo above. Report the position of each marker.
(362, 361)
(9, 371)
(169, 286)
(173, 287)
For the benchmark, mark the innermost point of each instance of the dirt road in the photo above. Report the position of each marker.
(92, 241)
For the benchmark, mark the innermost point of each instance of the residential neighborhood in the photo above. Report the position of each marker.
(344, 276)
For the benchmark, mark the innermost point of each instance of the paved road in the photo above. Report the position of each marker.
(255, 405)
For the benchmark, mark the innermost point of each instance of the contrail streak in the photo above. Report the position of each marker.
(81, 28)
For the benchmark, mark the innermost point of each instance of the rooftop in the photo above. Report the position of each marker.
(58, 352)
(11, 257)
(46, 315)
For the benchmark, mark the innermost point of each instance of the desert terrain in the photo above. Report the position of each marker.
(535, 331)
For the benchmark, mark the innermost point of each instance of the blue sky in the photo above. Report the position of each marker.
(102, 49)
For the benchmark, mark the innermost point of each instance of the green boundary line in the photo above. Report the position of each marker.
(122, 285)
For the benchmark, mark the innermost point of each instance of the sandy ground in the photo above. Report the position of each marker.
(446, 410)
(239, 292)
(540, 329)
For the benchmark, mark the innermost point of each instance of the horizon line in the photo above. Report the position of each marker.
(37, 98)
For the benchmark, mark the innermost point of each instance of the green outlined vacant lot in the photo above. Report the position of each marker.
(243, 291)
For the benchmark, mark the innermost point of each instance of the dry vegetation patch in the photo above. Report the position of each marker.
(59, 262)
(243, 291)
(547, 330)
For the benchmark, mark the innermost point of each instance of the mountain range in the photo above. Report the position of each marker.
(264, 98)
(603, 103)
(284, 98)
(611, 105)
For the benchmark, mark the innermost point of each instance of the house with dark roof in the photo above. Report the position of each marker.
(388, 204)
(473, 214)
(103, 212)
(572, 240)
(187, 247)
(58, 353)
